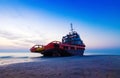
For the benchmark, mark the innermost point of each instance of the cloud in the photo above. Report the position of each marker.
(17, 40)
(9, 35)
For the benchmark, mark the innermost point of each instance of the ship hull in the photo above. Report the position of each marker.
(60, 52)
(76, 52)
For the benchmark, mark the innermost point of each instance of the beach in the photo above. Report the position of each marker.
(88, 66)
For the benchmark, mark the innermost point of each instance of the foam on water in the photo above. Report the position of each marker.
(7, 58)
(18, 54)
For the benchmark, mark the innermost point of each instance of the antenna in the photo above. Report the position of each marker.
(71, 27)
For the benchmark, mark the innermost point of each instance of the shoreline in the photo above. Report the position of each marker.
(89, 66)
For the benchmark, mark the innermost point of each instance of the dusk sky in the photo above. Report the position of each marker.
(24, 23)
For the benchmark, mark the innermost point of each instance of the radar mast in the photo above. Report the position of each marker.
(71, 27)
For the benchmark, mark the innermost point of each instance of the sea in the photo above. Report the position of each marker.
(10, 57)
(28, 54)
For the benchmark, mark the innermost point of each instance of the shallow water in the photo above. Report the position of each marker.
(18, 54)
(18, 57)
(4, 55)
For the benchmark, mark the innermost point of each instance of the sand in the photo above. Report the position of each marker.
(96, 66)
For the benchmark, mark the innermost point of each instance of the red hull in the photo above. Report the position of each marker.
(56, 48)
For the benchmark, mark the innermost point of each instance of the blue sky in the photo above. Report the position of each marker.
(24, 23)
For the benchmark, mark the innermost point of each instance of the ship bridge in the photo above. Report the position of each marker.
(72, 38)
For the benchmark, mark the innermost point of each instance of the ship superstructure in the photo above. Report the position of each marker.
(71, 45)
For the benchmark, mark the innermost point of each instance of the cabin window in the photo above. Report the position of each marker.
(78, 48)
(65, 47)
(36, 46)
(72, 48)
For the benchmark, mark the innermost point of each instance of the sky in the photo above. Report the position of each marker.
(24, 23)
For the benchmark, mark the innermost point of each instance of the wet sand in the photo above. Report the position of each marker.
(92, 66)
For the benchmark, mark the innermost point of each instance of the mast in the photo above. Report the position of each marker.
(71, 27)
